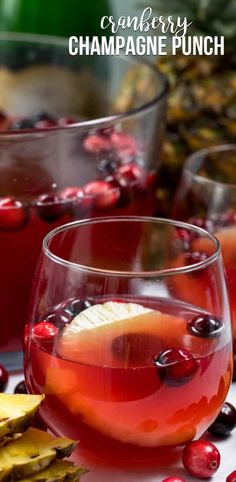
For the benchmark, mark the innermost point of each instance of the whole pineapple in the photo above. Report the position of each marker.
(202, 101)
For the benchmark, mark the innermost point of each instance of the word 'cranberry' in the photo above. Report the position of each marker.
(205, 326)
(201, 458)
(176, 366)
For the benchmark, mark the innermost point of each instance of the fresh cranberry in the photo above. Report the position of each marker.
(45, 331)
(3, 378)
(74, 307)
(174, 479)
(107, 166)
(225, 422)
(13, 214)
(124, 144)
(135, 347)
(96, 143)
(105, 195)
(49, 207)
(176, 366)
(71, 193)
(21, 388)
(231, 477)
(66, 121)
(205, 326)
(201, 458)
(22, 124)
(204, 223)
(57, 319)
(131, 173)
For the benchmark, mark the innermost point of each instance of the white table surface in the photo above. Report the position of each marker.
(227, 448)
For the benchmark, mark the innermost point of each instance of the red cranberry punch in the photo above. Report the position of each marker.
(67, 152)
(207, 198)
(128, 367)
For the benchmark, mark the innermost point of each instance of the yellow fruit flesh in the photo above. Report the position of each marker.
(16, 412)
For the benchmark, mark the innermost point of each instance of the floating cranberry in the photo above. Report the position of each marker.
(231, 477)
(49, 207)
(3, 378)
(195, 257)
(13, 214)
(206, 326)
(225, 422)
(174, 479)
(96, 143)
(131, 173)
(134, 348)
(176, 366)
(105, 195)
(201, 458)
(21, 388)
(66, 121)
(71, 193)
(22, 124)
(124, 144)
(74, 307)
(45, 331)
(57, 319)
(107, 166)
(127, 191)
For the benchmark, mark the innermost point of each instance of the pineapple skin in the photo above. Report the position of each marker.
(59, 471)
(34, 451)
(16, 413)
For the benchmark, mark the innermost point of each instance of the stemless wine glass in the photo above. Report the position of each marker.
(67, 151)
(131, 363)
(207, 197)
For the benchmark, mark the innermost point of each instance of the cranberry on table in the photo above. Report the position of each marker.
(45, 331)
(13, 214)
(231, 477)
(105, 195)
(174, 479)
(201, 458)
(206, 326)
(20, 388)
(49, 207)
(225, 422)
(3, 378)
(176, 366)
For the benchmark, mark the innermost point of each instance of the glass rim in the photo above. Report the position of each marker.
(92, 123)
(202, 153)
(131, 274)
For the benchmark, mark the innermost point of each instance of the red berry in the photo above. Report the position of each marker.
(13, 215)
(49, 207)
(105, 195)
(205, 326)
(71, 193)
(201, 458)
(97, 143)
(173, 479)
(225, 422)
(45, 331)
(176, 366)
(231, 477)
(130, 173)
(66, 121)
(20, 388)
(3, 378)
(124, 144)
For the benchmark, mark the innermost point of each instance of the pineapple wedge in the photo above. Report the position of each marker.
(17, 411)
(31, 453)
(59, 471)
(9, 438)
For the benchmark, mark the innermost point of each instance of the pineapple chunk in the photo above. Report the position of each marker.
(31, 453)
(9, 438)
(59, 471)
(17, 411)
